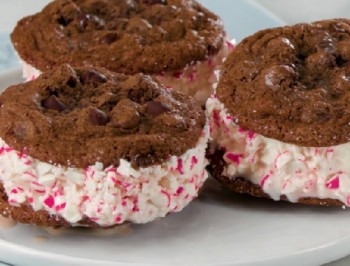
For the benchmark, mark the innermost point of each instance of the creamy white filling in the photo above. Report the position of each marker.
(197, 80)
(280, 168)
(106, 195)
(30, 72)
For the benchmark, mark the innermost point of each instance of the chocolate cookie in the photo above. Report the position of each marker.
(99, 148)
(280, 113)
(296, 80)
(180, 41)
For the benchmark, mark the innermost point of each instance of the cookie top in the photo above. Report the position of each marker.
(292, 83)
(77, 117)
(128, 36)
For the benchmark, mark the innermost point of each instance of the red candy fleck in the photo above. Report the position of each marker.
(333, 183)
(30, 200)
(194, 161)
(14, 191)
(122, 184)
(61, 206)
(192, 77)
(216, 118)
(179, 190)
(49, 201)
(177, 75)
(264, 179)
(168, 197)
(31, 175)
(118, 219)
(85, 198)
(135, 208)
(180, 166)
(236, 158)
(251, 136)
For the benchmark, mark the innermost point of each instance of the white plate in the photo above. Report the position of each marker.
(218, 229)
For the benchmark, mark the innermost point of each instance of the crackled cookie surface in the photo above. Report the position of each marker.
(280, 120)
(124, 36)
(96, 148)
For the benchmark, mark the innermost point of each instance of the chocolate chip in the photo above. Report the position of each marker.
(109, 38)
(98, 117)
(153, 2)
(72, 82)
(53, 103)
(63, 21)
(93, 77)
(157, 108)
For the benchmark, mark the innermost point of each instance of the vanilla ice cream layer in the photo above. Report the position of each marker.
(197, 80)
(280, 168)
(107, 196)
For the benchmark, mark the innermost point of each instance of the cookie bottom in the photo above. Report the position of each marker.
(243, 186)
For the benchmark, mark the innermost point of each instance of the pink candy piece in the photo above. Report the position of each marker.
(179, 190)
(216, 118)
(251, 136)
(61, 206)
(49, 201)
(192, 77)
(135, 208)
(180, 167)
(5, 149)
(177, 75)
(194, 161)
(263, 180)
(333, 183)
(236, 158)
(168, 197)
